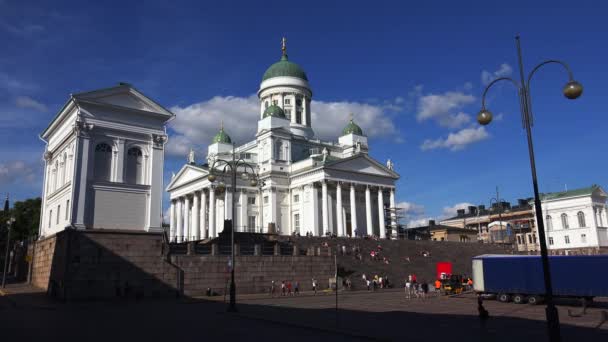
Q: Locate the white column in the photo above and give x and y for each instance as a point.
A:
(203, 214)
(196, 229)
(316, 230)
(260, 228)
(119, 156)
(340, 228)
(353, 211)
(212, 232)
(303, 222)
(242, 221)
(381, 213)
(393, 214)
(368, 211)
(179, 232)
(187, 231)
(226, 201)
(172, 223)
(324, 207)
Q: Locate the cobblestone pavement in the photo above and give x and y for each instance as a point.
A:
(27, 315)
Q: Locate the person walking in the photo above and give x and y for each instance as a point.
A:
(424, 287)
(368, 283)
(314, 285)
(272, 288)
(296, 289)
(289, 293)
(408, 287)
(438, 286)
(283, 288)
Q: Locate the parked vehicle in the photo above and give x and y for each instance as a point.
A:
(519, 278)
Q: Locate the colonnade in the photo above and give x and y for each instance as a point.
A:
(369, 222)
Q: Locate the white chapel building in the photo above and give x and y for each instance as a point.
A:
(104, 161)
(306, 186)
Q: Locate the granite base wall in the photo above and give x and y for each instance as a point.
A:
(253, 274)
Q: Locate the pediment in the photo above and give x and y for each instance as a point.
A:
(124, 96)
(363, 164)
(187, 174)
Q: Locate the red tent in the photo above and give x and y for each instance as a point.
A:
(444, 267)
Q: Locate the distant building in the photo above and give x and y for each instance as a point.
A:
(501, 223)
(576, 221)
(439, 232)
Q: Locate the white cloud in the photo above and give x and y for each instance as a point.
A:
(17, 171)
(22, 30)
(441, 108)
(196, 124)
(503, 71)
(458, 140)
(29, 103)
(451, 211)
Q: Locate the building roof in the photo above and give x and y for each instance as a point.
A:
(284, 68)
(571, 193)
(221, 137)
(352, 128)
(275, 111)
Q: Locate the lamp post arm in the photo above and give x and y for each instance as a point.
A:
(483, 97)
(551, 61)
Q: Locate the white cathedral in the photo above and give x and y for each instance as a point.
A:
(104, 160)
(305, 185)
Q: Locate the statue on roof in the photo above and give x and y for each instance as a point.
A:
(325, 153)
(191, 159)
(390, 165)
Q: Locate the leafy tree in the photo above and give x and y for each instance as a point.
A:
(27, 219)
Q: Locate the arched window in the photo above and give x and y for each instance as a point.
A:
(279, 151)
(55, 174)
(549, 222)
(134, 166)
(581, 219)
(565, 224)
(103, 162)
(64, 160)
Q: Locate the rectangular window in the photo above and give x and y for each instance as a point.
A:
(251, 223)
(67, 210)
(567, 239)
(251, 200)
(550, 241)
(296, 222)
(58, 213)
(287, 101)
(50, 218)
(518, 240)
(534, 236)
(583, 238)
(265, 199)
(529, 238)
(296, 198)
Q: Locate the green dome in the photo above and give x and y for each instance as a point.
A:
(275, 111)
(284, 68)
(221, 137)
(353, 128)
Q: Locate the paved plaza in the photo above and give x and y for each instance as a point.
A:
(382, 315)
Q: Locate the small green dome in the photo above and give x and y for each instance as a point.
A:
(275, 111)
(221, 137)
(284, 68)
(353, 128)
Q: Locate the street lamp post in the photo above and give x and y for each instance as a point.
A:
(499, 202)
(231, 166)
(571, 90)
(9, 224)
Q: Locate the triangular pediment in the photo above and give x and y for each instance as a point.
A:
(187, 174)
(363, 164)
(125, 96)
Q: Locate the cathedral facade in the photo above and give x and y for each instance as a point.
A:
(304, 185)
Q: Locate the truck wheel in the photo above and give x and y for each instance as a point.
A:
(504, 297)
(519, 299)
(533, 300)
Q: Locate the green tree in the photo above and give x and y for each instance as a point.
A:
(27, 219)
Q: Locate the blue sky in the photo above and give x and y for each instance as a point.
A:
(412, 73)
